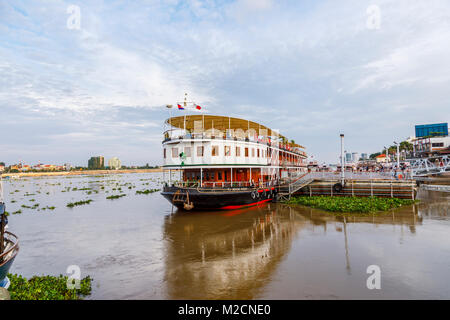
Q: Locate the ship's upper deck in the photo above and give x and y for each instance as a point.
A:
(223, 127)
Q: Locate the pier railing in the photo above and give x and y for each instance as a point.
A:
(389, 175)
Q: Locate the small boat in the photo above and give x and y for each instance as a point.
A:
(9, 244)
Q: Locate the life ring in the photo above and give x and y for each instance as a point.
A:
(253, 194)
(337, 187)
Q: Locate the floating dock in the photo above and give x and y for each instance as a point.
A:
(317, 184)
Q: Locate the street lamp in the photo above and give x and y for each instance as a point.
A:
(398, 154)
(342, 160)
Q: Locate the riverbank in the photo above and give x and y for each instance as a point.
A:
(78, 172)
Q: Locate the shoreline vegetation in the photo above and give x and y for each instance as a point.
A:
(78, 172)
(47, 288)
(351, 204)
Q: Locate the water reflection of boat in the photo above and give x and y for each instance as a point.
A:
(236, 254)
(217, 256)
(9, 245)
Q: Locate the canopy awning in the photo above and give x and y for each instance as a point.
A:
(222, 123)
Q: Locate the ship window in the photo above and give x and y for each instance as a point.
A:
(257, 152)
(164, 153)
(246, 152)
(227, 151)
(253, 152)
(212, 176)
(219, 175)
(238, 151)
(214, 151)
(174, 152)
(187, 151)
(200, 151)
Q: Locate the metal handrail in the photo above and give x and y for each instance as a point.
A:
(225, 184)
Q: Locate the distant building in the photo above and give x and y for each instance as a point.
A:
(364, 156)
(348, 157)
(428, 130)
(114, 163)
(351, 157)
(96, 163)
(381, 158)
(431, 145)
(2, 168)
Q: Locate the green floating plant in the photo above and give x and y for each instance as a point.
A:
(147, 191)
(47, 288)
(351, 204)
(78, 203)
(116, 196)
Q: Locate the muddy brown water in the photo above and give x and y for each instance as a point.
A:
(135, 247)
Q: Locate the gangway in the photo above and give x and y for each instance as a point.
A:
(422, 167)
(286, 191)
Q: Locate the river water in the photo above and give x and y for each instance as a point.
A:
(135, 247)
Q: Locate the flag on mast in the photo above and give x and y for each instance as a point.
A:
(180, 107)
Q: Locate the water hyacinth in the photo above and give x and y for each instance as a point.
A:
(147, 191)
(351, 204)
(116, 196)
(78, 203)
(47, 288)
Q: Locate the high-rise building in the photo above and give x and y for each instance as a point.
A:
(348, 157)
(96, 163)
(114, 163)
(364, 156)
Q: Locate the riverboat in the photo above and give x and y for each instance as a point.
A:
(222, 162)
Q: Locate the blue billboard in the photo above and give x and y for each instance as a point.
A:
(437, 129)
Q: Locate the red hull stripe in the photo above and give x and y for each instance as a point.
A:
(244, 205)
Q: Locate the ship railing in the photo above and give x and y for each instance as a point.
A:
(225, 184)
(200, 136)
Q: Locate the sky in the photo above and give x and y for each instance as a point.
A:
(86, 78)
